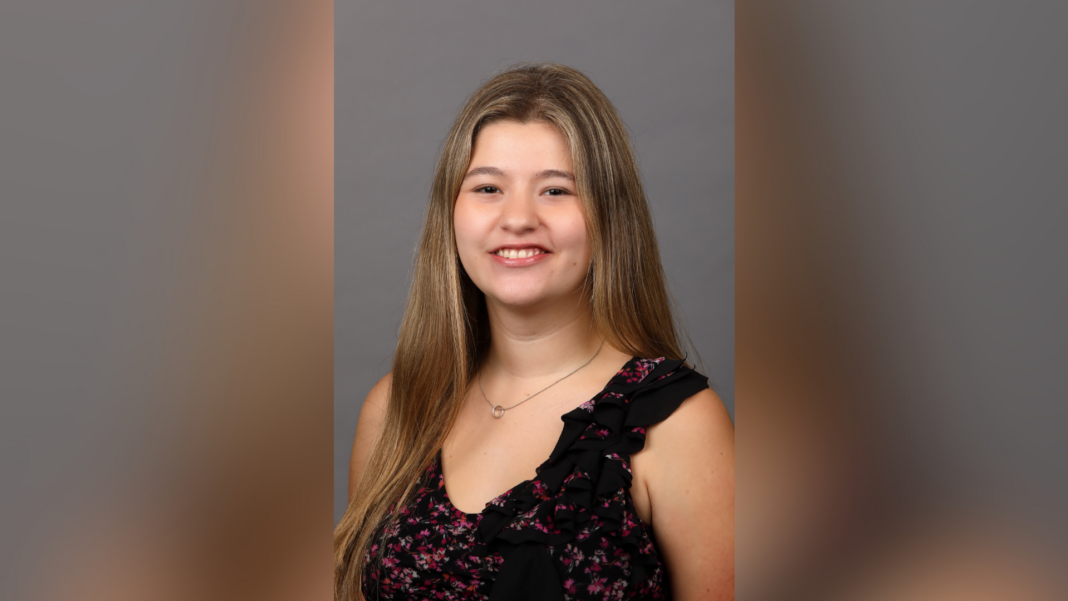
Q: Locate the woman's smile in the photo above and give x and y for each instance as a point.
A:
(521, 256)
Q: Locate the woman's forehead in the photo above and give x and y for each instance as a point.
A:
(514, 148)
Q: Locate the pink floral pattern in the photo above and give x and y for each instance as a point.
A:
(579, 507)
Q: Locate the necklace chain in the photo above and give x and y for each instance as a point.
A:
(498, 410)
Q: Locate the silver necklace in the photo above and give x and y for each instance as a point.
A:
(498, 410)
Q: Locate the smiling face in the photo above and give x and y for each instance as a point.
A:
(518, 219)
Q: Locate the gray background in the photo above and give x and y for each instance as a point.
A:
(938, 129)
(402, 73)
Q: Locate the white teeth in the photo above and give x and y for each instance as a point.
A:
(511, 253)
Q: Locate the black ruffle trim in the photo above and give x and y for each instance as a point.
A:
(587, 474)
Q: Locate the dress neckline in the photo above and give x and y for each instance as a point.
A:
(587, 406)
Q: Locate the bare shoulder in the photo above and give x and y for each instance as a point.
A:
(687, 469)
(378, 398)
(696, 437)
(372, 414)
(701, 419)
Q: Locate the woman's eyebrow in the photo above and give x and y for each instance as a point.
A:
(484, 171)
(553, 173)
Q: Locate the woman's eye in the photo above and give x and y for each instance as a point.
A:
(488, 189)
(555, 192)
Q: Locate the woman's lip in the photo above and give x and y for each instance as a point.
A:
(520, 247)
(524, 262)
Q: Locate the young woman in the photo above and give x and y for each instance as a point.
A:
(538, 298)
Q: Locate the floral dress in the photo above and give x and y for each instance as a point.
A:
(570, 533)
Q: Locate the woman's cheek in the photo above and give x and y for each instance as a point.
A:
(577, 244)
(465, 226)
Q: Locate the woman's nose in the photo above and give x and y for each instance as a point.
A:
(519, 213)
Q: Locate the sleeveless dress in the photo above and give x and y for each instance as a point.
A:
(571, 533)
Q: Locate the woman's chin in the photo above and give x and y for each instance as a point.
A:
(529, 299)
(521, 301)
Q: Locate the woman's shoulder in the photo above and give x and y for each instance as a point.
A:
(368, 427)
(378, 398)
(684, 480)
(701, 416)
(373, 411)
(697, 436)
(684, 417)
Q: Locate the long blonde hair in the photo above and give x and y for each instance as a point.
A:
(444, 334)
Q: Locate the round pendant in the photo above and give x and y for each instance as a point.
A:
(498, 411)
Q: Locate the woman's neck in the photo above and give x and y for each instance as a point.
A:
(543, 341)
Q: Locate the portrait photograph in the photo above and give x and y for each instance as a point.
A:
(534, 301)
(486, 281)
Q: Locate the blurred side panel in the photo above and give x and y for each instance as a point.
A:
(901, 293)
(166, 346)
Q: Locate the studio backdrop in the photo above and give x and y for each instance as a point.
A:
(403, 71)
